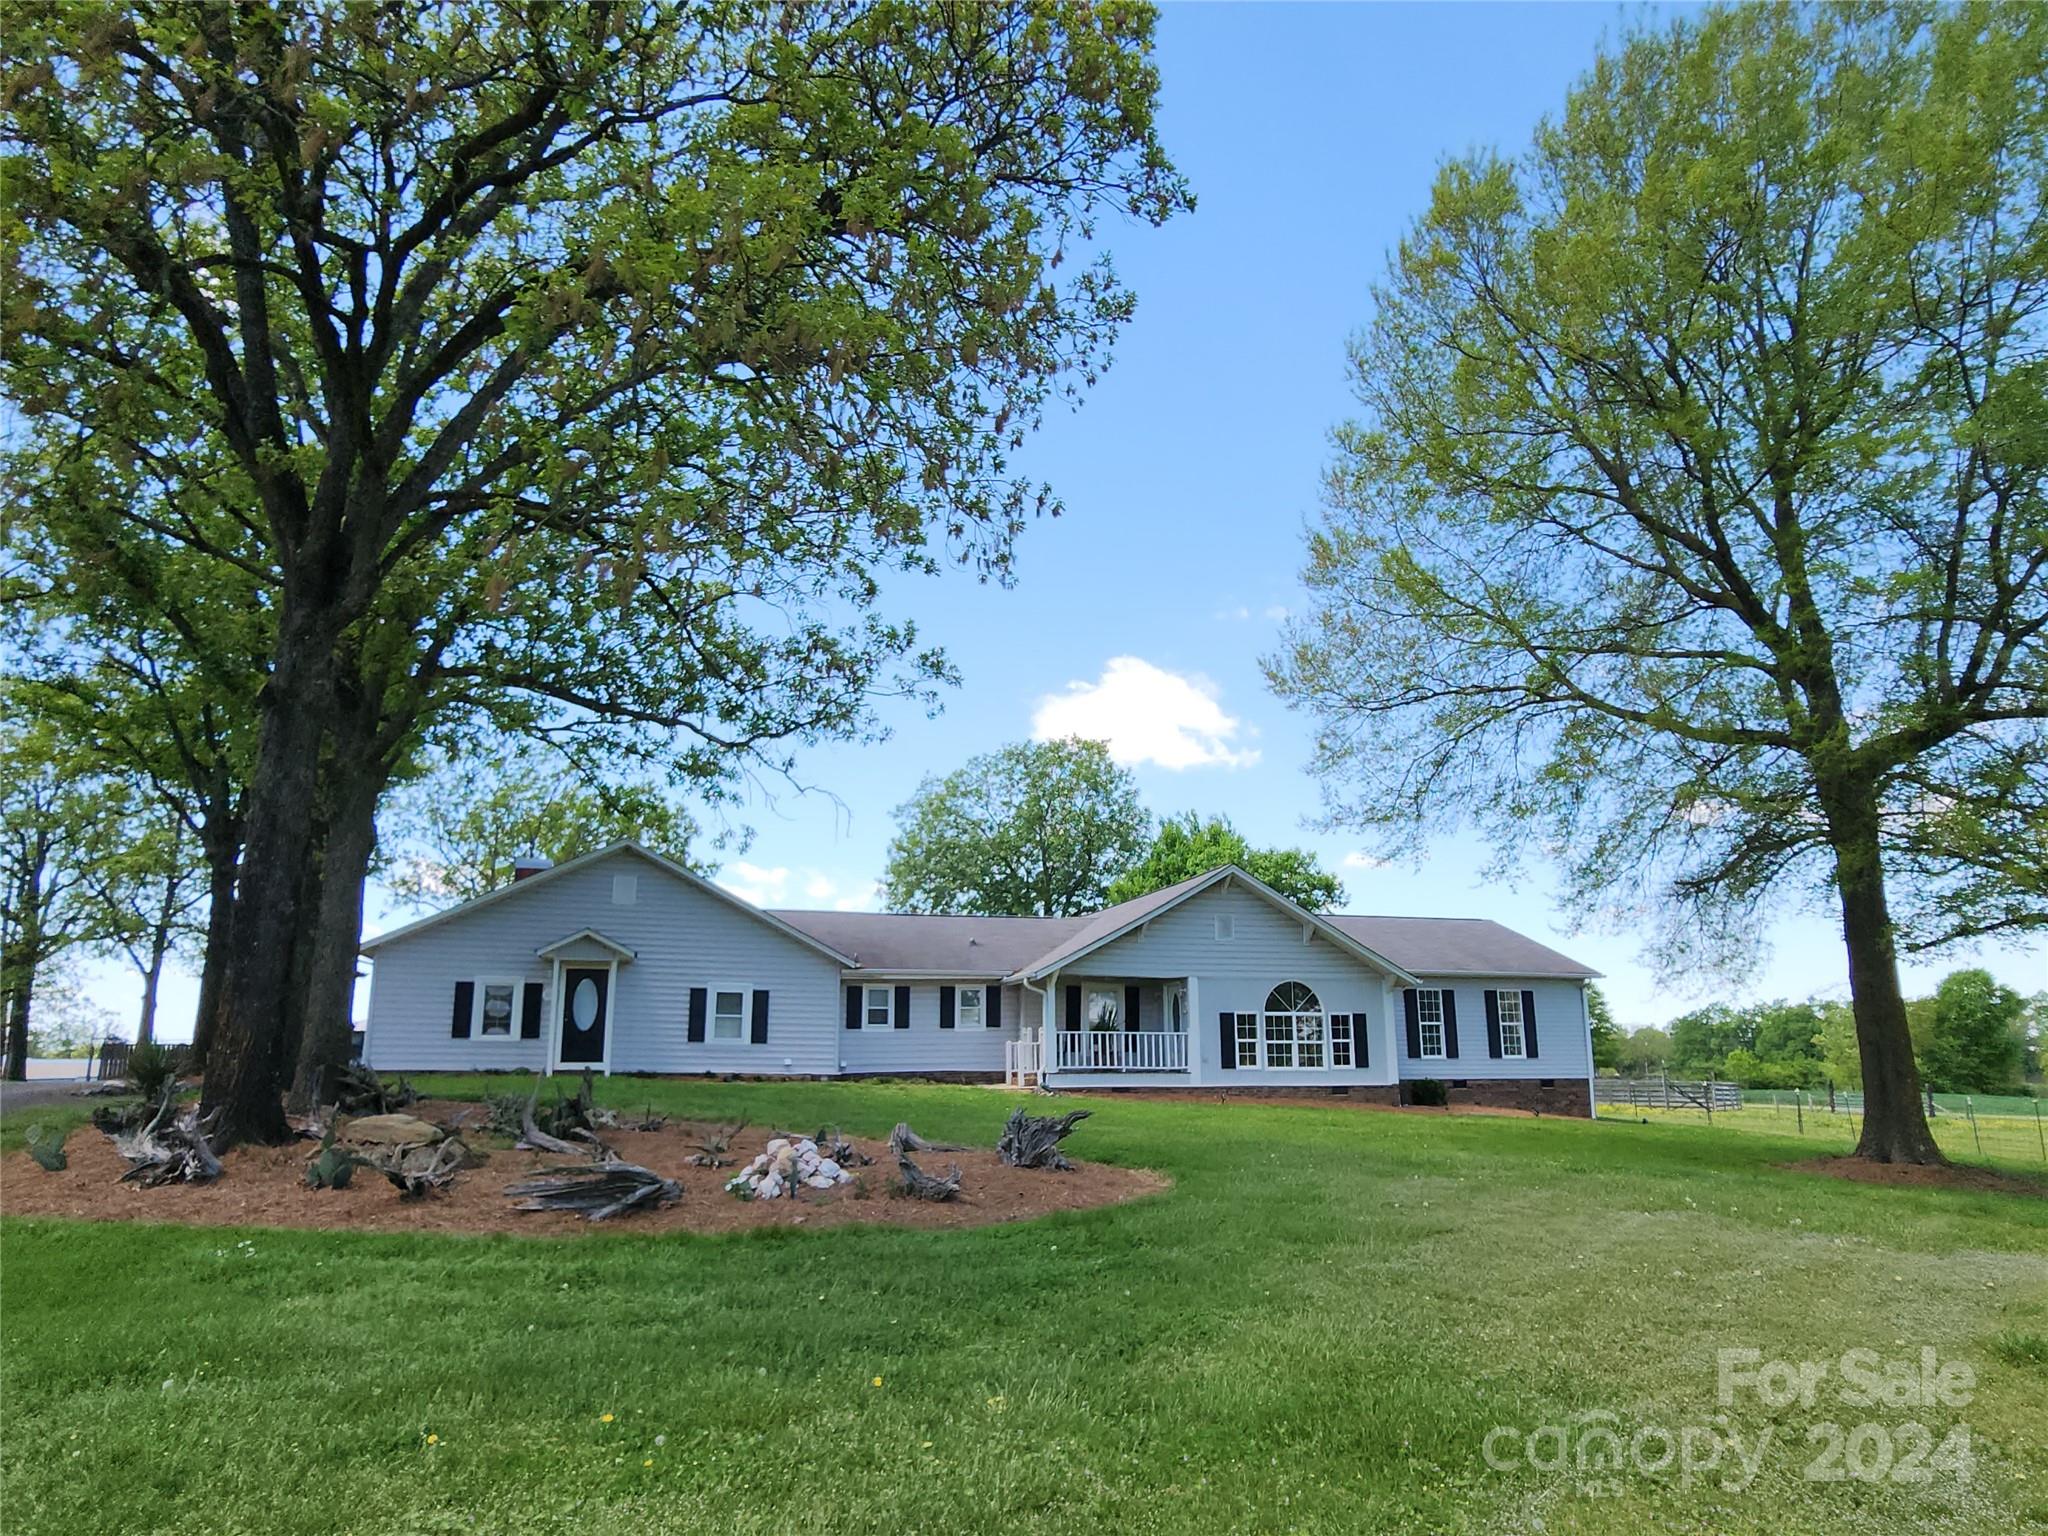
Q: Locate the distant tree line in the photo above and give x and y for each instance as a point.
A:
(1971, 1035)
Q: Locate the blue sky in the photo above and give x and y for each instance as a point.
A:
(1310, 134)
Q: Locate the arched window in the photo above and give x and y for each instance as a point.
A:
(1294, 1027)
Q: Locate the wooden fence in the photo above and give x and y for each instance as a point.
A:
(1665, 1093)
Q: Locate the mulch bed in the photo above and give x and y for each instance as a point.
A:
(1956, 1176)
(263, 1187)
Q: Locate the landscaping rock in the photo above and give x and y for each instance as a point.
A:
(389, 1131)
(784, 1168)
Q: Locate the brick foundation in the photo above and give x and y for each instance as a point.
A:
(1564, 1096)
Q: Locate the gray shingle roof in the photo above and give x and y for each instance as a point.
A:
(1000, 946)
(952, 946)
(1458, 946)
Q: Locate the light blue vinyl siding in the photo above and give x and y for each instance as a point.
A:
(1563, 1050)
(924, 1047)
(1267, 947)
(682, 936)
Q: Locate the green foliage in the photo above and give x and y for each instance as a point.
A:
(1607, 1041)
(1185, 846)
(1644, 1050)
(1695, 524)
(1037, 829)
(1975, 1044)
(1765, 1045)
(669, 329)
(1428, 1091)
(331, 1167)
(152, 1069)
(45, 1144)
(462, 828)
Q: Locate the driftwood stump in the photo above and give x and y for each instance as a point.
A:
(920, 1185)
(169, 1146)
(533, 1139)
(1033, 1141)
(903, 1139)
(599, 1190)
(418, 1170)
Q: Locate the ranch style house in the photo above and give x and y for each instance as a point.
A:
(622, 961)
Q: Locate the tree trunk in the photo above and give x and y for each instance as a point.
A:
(305, 939)
(223, 840)
(244, 1056)
(331, 975)
(20, 992)
(1894, 1124)
(152, 977)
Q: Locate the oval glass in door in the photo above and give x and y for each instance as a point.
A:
(583, 1004)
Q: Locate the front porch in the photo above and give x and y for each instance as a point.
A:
(1112, 1029)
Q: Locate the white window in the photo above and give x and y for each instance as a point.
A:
(728, 1017)
(1099, 1009)
(1340, 1039)
(1294, 1027)
(970, 1007)
(1247, 1039)
(1177, 1009)
(1429, 1012)
(625, 890)
(878, 1007)
(1509, 1008)
(494, 1008)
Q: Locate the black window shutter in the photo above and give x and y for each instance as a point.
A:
(1361, 1040)
(1130, 1009)
(529, 1011)
(697, 1001)
(761, 1017)
(1492, 1022)
(1528, 1023)
(1228, 1023)
(946, 996)
(1073, 1006)
(465, 1004)
(992, 1007)
(853, 1006)
(903, 1007)
(1414, 1023)
(1450, 1024)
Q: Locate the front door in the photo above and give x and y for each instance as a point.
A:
(586, 1002)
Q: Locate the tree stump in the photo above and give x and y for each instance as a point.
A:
(599, 1190)
(920, 1185)
(1033, 1141)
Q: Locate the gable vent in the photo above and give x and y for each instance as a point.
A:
(1226, 926)
(625, 890)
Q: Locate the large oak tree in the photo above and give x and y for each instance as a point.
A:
(653, 333)
(1694, 523)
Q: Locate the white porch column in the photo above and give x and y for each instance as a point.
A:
(1195, 1034)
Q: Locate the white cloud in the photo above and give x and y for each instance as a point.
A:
(1147, 715)
(779, 885)
(1279, 613)
(1233, 614)
(764, 887)
(1360, 860)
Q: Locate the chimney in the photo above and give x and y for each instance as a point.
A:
(530, 864)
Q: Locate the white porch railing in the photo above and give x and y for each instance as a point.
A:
(1117, 1050)
(1022, 1061)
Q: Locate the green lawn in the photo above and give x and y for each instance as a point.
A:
(1314, 1330)
(2010, 1143)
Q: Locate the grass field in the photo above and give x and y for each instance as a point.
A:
(2009, 1143)
(1315, 1330)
